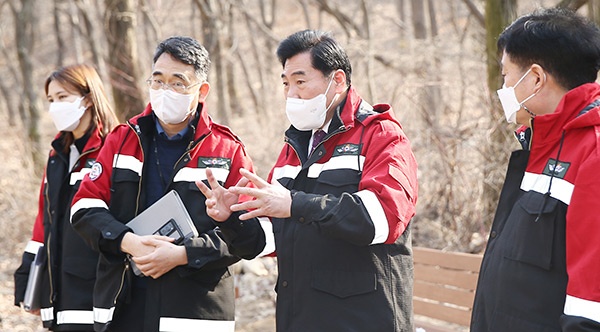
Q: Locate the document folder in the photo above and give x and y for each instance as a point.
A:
(31, 301)
(168, 217)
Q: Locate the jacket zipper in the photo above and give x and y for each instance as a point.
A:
(49, 257)
(138, 133)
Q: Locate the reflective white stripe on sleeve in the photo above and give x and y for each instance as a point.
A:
(375, 210)
(75, 317)
(561, 189)
(78, 176)
(339, 162)
(128, 162)
(87, 203)
(171, 324)
(47, 314)
(33, 246)
(267, 227)
(582, 308)
(286, 171)
(198, 174)
(102, 315)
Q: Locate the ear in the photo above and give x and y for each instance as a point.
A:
(339, 81)
(540, 75)
(203, 93)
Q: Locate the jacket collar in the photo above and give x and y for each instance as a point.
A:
(568, 114)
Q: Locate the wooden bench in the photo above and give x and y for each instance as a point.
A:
(444, 288)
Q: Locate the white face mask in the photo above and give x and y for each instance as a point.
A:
(509, 101)
(66, 115)
(308, 114)
(169, 106)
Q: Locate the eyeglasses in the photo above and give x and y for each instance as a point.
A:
(178, 87)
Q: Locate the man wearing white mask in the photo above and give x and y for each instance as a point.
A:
(169, 146)
(340, 202)
(541, 270)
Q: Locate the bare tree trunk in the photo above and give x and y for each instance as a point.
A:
(212, 22)
(572, 4)
(123, 59)
(418, 19)
(432, 19)
(25, 21)
(76, 31)
(498, 14)
(93, 39)
(60, 42)
(13, 106)
(594, 11)
(9, 101)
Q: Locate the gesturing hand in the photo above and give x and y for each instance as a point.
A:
(270, 199)
(218, 199)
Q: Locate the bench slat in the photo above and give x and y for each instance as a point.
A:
(440, 293)
(445, 313)
(433, 274)
(453, 260)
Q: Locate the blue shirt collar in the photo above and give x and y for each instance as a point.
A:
(175, 137)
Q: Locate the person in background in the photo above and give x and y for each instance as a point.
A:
(340, 197)
(169, 146)
(541, 271)
(83, 117)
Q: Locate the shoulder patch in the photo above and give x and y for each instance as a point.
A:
(96, 171)
(214, 162)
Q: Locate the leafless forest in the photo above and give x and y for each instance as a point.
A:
(434, 61)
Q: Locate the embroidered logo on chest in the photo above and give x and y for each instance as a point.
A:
(214, 162)
(557, 170)
(347, 149)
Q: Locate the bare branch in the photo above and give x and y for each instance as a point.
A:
(571, 4)
(475, 12)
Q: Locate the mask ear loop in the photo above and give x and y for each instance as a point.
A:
(327, 90)
(522, 104)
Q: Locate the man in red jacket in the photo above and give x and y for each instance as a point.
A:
(541, 268)
(340, 199)
(169, 146)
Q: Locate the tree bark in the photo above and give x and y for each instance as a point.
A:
(60, 42)
(498, 14)
(123, 60)
(25, 21)
(572, 4)
(418, 19)
(432, 19)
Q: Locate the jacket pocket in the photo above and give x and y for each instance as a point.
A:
(82, 268)
(337, 182)
(344, 284)
(532, 229)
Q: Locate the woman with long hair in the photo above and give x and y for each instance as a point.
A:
(83, 117)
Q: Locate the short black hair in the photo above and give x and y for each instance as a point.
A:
(562, 42)
(187, 50)
(326, 54)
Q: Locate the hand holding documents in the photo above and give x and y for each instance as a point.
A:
(31, 302)
(167, 217)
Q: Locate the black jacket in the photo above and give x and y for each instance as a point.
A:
(70, 269)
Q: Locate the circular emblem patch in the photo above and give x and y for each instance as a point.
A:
(96, 171)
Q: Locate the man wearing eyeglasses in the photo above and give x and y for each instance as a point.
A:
(167, 147)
